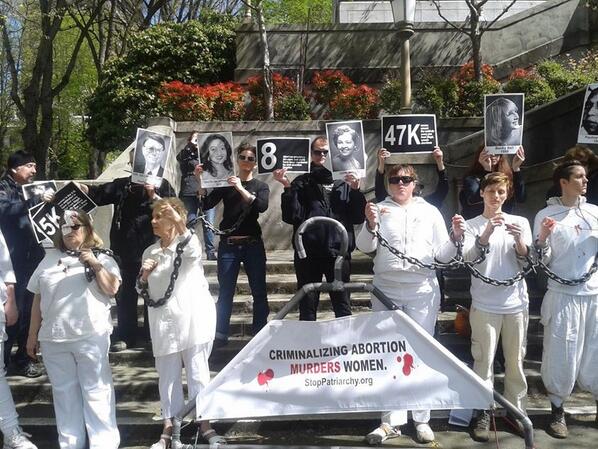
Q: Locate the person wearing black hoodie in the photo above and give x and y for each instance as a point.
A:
(315, 194)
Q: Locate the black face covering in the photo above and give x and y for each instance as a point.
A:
(321, 174)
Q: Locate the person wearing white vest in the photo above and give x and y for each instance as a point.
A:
(14, 437)
(70, 320)
(183, 322)
(498, 310)
(566, 233)
(416, 228)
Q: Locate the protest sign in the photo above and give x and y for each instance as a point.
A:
(503, 123)
(151, 154)
(283, 152)
(588, 125)
(413, 133)
(38, 188)
(216, 158)
(371, 362)
(347, 148)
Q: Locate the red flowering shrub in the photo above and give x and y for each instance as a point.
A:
(465, 73)
(327, 84)
(283, 90)
(358, 102)
(523, 74)
(219, 101)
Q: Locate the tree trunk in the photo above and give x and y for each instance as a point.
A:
(268, 83)
(476, 44)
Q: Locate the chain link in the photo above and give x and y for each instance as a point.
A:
(458, 262)
(178, 260)
(209, 226)
(89, 273)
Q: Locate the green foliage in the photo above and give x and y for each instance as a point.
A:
(537, 91)
(562, 79)
(437, 95)
(293, 107)
(390, 96)
(297, 11)
(471, 100)
(200, 51)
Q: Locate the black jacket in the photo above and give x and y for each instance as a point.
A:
(131, 230)
(308, 197)
(188, 159)
(16, 227)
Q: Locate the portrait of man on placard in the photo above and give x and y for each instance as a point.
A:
(151, 154)
(346, 147)
(588, 127)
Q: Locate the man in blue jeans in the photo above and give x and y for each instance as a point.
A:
(243, 202)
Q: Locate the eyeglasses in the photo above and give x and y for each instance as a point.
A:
(401, 179)
(246, 158)
(320, 152)
(66, 229)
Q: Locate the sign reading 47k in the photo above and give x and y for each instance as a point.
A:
(409, 133)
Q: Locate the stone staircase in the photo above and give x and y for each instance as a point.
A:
(135, 377)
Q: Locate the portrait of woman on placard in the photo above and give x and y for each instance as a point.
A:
(216, 159)
(503, 125)
(348, 149)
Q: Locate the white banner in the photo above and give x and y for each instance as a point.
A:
(372, 362)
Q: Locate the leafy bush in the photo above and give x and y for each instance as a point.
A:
(358, 102)
(466, 74)
(200, 51)
(285, 95)
(537, 91)
(390, 96)
(437, 95)
(471, 98)
(562, 79)
(328, 84)
(293, 107)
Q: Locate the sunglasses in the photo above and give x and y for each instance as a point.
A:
(401, 179)
(66, 229)
(320, 152)
(246, 158)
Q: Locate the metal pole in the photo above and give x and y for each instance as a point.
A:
(405, 32)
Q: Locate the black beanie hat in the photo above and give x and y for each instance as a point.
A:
(18, 158)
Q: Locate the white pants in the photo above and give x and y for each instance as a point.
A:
(424, 311)
(486, 328)
(83, 392)
(9, 419)
(170, 383)
(570, 344)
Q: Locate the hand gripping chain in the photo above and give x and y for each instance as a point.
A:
(178, 260)
(89, 273)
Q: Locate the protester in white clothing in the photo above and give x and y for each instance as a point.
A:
(416, 228)
(70, 319)
(567, 234)
(182, 324)
(14, 437)
(498, 310)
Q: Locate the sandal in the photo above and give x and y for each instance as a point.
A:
(212, 437)
(162, 443)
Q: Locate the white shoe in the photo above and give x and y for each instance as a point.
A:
(382, 433)
(423, 433)
(162, 443)
(18, 439)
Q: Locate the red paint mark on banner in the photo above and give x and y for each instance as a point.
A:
(264, 377)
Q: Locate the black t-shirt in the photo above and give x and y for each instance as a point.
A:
(234, 206)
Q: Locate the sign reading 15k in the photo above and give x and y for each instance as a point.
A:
(409, 133)
(283, 152)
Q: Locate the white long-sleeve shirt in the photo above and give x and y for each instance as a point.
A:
(572, 244)
(7, 275)
(417, 230)
(189, 317)
(501, 263)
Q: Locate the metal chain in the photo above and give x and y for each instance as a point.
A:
(458, 262)
(89, 273)
(178, 260)
(209, 226)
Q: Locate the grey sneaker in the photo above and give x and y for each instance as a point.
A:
(480, 430)
(18, 439)
(423, 433)
(557, 426)
(382, 433)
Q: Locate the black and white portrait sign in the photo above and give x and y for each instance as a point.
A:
(503, 122)
(70, 197)
(588, 125)
(216, 157)
(38, 188)
(283, 152)
(151, 154)
(347, 149)
(415, 133)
